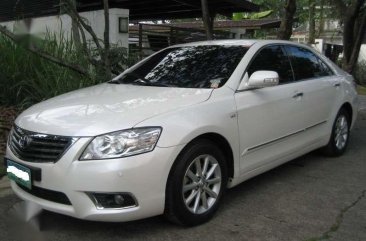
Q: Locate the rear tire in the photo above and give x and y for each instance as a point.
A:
(196, 184)
(338, 142)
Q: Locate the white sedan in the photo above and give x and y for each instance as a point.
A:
(170, 134)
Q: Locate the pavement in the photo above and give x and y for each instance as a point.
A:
(312, 198)
(362, 101)
(4, 187)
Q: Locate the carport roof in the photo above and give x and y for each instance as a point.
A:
(228, 24)
(218, 25)
(139, 9)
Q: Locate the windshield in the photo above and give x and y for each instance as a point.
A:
(187, 67)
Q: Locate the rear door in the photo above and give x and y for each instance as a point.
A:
(318, 85)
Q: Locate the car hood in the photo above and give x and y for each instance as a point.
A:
(105, 108)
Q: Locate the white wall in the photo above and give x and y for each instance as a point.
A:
(319, 45)
(56, 24)
(238, 32)
(362, 56)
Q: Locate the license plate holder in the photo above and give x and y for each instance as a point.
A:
(19, 173)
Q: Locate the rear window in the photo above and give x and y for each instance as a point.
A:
(188, 67)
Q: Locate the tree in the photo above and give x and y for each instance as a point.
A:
(311, 22)
(98, 55)
(284, 9)
(75, 33)
(274, 5)
(285, 30)
(102, 62)
(354, 27)
(37, 51)
(321, 18)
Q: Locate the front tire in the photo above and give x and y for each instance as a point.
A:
(338, 142)
(196, 184)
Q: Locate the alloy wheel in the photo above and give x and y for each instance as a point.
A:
(341, 132)
(201, 184)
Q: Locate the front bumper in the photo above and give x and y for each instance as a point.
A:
(144, 176)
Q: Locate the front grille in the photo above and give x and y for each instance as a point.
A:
(53, 196)
(35, 147)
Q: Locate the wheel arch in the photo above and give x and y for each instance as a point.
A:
(221, 142)
(170, 211)
(348, 107)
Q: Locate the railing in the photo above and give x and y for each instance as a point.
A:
(145, 39)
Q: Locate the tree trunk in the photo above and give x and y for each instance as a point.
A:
(107, 47)
(311, 22)
(285, 31)
(75, 29)
(321, 19)
(207, 20)
(353, 33)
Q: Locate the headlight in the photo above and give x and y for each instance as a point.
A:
(122, 143)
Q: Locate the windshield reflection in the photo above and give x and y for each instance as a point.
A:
(208, 66)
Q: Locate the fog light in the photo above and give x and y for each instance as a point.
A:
(113, 200)
(118, 199)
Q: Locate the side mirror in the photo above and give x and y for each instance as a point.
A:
(260, 79)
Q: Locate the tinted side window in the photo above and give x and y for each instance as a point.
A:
(327, 71)
(273, 58)
(306, 65)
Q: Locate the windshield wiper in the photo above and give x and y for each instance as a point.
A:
(137, 76)
(140, 81)
(161, 84)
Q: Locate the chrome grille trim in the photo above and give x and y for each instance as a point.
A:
(36, 147)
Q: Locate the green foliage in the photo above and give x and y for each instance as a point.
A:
(240, 16)
(260, 34)
(302, 13)
(361, 90)
(26, 79)
(121, 58)
(276, 6)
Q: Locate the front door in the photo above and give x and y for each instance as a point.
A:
(269, 119)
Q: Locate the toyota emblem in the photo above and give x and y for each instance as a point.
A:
(24, 141)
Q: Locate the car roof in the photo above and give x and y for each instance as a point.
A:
(241, 42)
(238, 42)
(221, 42)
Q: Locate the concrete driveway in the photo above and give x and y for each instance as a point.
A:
(311, 198)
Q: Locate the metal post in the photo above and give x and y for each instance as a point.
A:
(207, 21)
(141, 55)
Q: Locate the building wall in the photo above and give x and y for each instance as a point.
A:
(362, 56)
(62, 23)
(238, 33)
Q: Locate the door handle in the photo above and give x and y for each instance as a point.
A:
(298, 95)
(337, 85)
